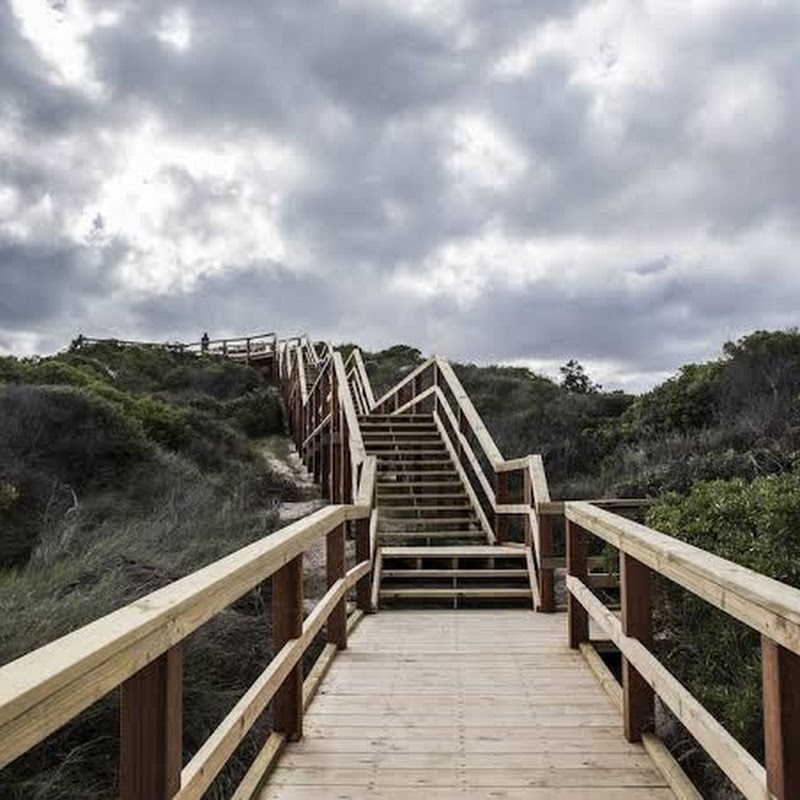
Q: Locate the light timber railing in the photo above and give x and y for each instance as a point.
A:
(324, 422)
(138, 649)
(769, 607)
(258, 347)
(500, 490)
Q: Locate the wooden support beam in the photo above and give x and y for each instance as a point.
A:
(547, 589)
(637, 621)
(287, 624)
(335, 561)
(503, 495)
(577, 616)
(151, 729)
(527, 501)
(363, 553)
(781, 687)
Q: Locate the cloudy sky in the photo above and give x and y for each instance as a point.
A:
(523, 181)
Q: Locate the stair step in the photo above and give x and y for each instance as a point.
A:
(397, 427)
(383, 418)
(402, 448)
(387, 462)
(412, 484)
(458, 508)
(454, 573)
(412, 525)
(385, 496)
(454, 551)
(393, 433)
(420, 593)
(476, 534)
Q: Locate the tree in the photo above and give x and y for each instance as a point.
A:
(574, 379)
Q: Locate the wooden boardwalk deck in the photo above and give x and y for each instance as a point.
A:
(465, 704)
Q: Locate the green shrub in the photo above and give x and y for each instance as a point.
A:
(257, 413)
(164, 424)
(757, 525)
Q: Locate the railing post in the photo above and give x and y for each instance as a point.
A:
(781, 688)
(151, 729)
(577, 566)
(364, 585)
(547, 590)
(287, 624)
(335, 565)
(502, 497)
(637, 621)
(527, 499)
(336, 446)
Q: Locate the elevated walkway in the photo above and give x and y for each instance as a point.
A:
(438, 704)
(462, 704)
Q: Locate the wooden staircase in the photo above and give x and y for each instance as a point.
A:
(432, 548)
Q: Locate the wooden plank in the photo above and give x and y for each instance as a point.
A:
(680, 784)
(335, 569)
(201, 770)
(666, 764)
(487, 528)
(363, 553)
(637, 610)
(376, 579)
(318, 672)
(781, 687)
(468, 737)
(742, 769)
(151, 729)
(383, 399)
(766, 605)
(577, 553)
(462, 446)
(267, 757)
(547, 591)
(454, 551)
(473, 418)
(287, 624)
(365, 381)
(503, 495)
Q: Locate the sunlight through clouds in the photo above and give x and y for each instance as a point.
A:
(58, 30)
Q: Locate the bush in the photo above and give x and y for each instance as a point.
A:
(75, 436)
(757, 525)
(257, 413)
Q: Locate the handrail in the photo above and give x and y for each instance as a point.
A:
(769, 607)
(464, 419)
(365, 381)
(403, 383)
(44, 689)
(473, 418)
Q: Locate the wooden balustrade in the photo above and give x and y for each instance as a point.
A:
(768, 606)
(138, 648)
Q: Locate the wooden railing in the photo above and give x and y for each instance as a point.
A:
(324, 422)
(770, 608)
(246, 348)
(139, 650)
(486, 475)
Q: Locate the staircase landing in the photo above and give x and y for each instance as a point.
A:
(466, 704)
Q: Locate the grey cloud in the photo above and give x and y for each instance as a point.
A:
(367, 97)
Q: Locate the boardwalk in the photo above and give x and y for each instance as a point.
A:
(466, 704)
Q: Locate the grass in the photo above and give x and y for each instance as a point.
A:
(120, 472)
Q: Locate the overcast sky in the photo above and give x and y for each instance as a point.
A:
(524, 181)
